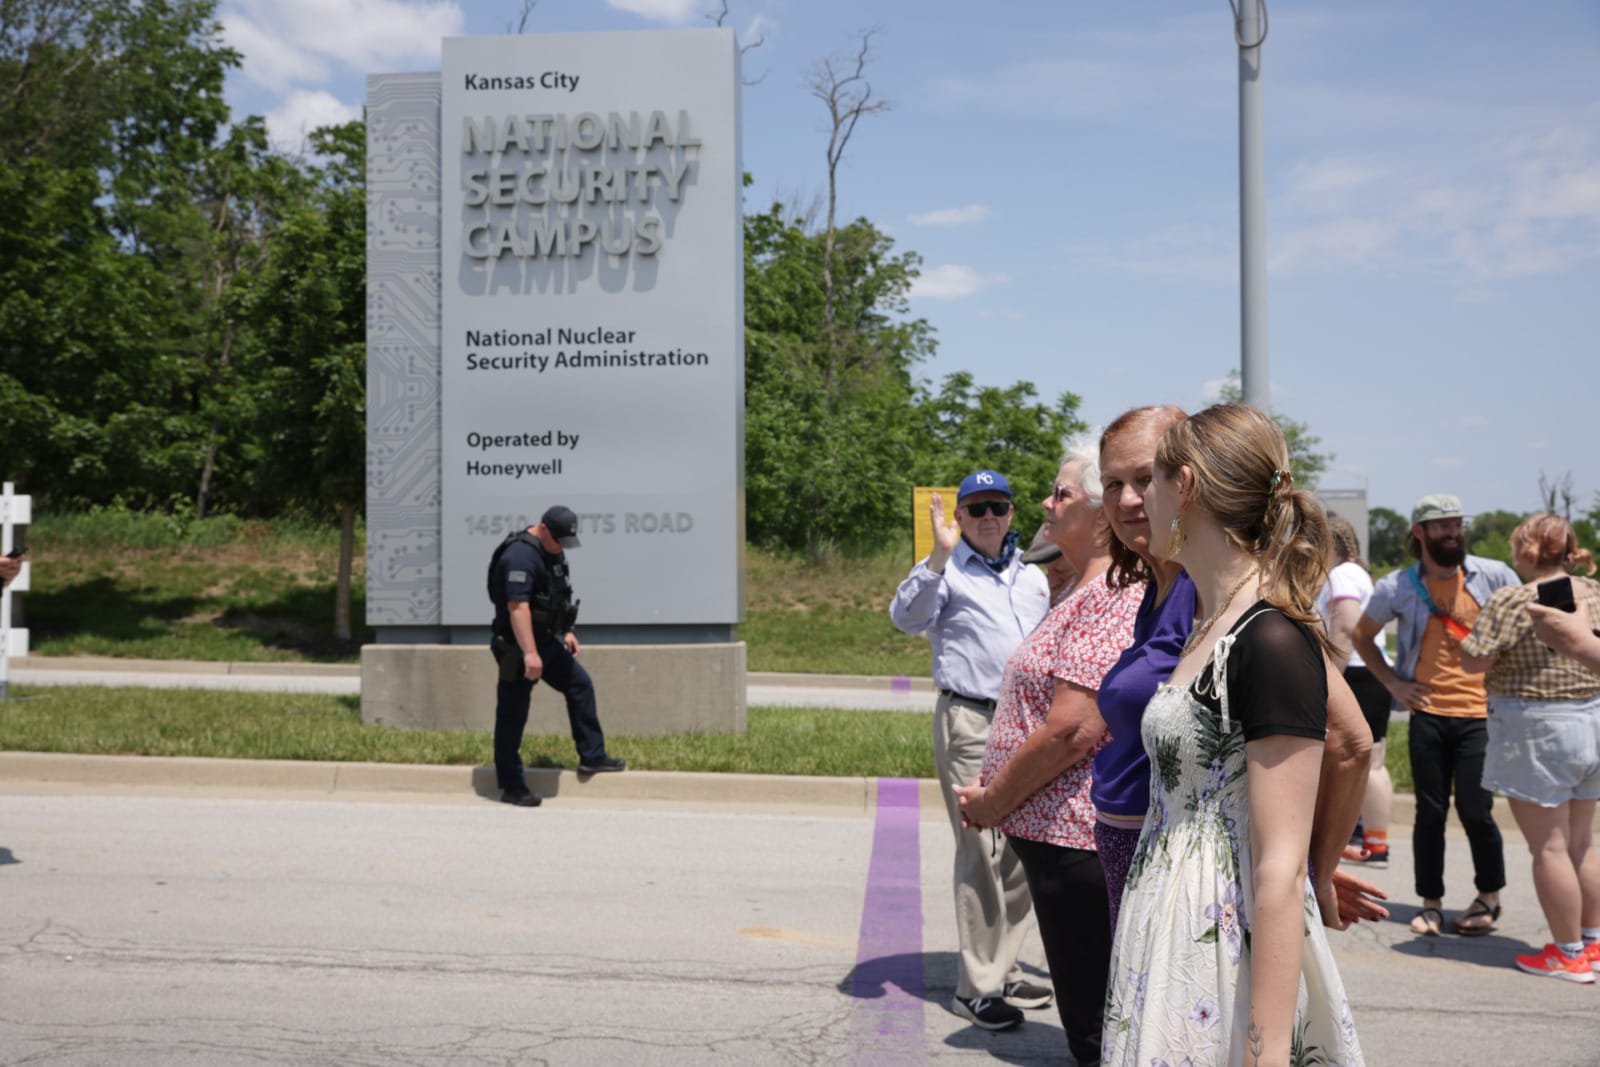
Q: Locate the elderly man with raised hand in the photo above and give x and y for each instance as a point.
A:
(1435, 602)
(976, 600)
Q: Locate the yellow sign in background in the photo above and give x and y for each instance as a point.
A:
(921, 528)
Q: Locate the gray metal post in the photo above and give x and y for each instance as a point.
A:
(1249, 32)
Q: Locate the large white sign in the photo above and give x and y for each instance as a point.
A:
(592, 349)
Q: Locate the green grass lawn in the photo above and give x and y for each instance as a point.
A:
(120, 583)
(830, 617)
(1397, 758)
(186, 722)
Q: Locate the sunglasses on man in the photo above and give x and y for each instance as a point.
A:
(998, 508)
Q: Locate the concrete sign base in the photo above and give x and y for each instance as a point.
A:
(642, 689)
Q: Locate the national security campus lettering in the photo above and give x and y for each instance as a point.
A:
(540, 163)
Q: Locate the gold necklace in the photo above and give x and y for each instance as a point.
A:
(1198, 635)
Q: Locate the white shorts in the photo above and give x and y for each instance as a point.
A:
(1543, 752)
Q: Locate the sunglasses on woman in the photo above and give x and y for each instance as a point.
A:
(998, 508)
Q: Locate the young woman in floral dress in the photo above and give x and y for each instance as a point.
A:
(1220, 955)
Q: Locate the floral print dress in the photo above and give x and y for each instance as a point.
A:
(1180, 966)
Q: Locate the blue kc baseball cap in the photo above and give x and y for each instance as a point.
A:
(983, 482)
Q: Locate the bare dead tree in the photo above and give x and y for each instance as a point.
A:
(1556, 494)
(521, 25)
(745, 48)
(843, 87)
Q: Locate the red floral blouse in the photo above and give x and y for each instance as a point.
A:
(1078, 642)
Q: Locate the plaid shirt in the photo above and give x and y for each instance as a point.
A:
(1524, 667)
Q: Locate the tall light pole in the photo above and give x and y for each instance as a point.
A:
(1249, 31)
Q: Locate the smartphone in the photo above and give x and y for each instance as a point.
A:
(1557, 593)
(17, 552)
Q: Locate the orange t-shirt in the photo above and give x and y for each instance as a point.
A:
(1455, 692)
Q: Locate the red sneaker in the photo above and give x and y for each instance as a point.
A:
(1591, 952)
(1552, 963)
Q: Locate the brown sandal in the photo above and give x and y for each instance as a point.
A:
(1429, 922)
(1476, 910)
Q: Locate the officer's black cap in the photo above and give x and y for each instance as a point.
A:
(562, 522)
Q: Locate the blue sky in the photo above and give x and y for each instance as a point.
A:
(1068, 173)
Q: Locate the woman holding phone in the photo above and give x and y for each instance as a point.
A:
(1544, 740)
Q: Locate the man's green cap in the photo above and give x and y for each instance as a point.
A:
(1437, 506)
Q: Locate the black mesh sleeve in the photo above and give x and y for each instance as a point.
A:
(1277, 681)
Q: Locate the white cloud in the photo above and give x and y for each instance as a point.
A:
(1205, 253)
(271, 61)
(952, 216)
(1351, 242)
(1333, 177)
(291, 122)
(1510, 207)
(951, 281)
(289, 42)
(1161, 71)
(673, 11)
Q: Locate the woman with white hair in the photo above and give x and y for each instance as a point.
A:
(1035, 781)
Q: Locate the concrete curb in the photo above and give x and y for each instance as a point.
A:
(115, 665)
(889, 683)
(294, 778)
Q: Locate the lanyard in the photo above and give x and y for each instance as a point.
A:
(1453, 625)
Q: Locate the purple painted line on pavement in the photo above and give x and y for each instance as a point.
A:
(887, 982)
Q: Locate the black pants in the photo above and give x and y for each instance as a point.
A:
(565, 675)
(1445, 748)
(1069, 898)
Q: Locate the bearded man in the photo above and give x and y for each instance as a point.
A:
(1435, 602)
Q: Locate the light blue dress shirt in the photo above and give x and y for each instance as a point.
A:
(1395, 596)
(974, 617)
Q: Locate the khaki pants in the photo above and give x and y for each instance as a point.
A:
(993, 909)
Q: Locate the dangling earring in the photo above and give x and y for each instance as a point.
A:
(1176, 538)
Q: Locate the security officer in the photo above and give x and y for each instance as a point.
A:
(532, 640)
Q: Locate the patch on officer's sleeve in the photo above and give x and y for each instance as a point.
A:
(517, 576)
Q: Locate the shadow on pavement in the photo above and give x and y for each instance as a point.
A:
(1485, 950)
(6, 856)
(931, 976)
(926, 975)
(1001, 1046)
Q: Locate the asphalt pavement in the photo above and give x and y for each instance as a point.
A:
(163, 911)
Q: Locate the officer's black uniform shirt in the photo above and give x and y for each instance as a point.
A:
(522, 570)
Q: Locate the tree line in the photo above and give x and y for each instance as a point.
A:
(183, 308)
